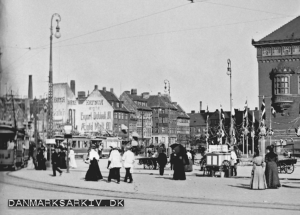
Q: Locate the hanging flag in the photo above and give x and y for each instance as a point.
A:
(232, 113)
(207, 112)
(263, 110)
(273, 111)
(246, 110)
(222, 114)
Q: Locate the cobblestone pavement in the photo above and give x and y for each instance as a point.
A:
(148, 185)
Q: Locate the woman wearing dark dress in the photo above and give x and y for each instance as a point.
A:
(41, 160)
(62, 158)
(271, 172)
(180, 159)
(93, 173)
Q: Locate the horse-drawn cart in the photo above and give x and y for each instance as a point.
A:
(150, 163)
(286, 165)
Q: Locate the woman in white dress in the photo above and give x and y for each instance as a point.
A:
(72, 161)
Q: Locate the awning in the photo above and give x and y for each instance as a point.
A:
(134, 134)
(124, 127)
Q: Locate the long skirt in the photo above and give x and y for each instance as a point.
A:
(258, 180)
(179, 173)
(272, 177)
(72, 162)
(93, 173)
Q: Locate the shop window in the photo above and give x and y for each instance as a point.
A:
(282, 85)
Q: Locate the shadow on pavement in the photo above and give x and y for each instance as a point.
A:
(244, 186)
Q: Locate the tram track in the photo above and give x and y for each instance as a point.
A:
(26, 183)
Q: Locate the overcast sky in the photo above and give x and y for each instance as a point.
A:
(126, 44)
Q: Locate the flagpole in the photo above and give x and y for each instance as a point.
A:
(220, 126)
(247, 130)
(253, 121)
(243, 136)
(270, 124)
(207, 132)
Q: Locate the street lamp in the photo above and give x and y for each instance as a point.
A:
(68, 135)
(50, 97)
(230, 73)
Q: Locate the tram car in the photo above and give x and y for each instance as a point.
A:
(14, 149)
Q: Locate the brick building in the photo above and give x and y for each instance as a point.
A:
(278, 56)
(141, 115)
(121, 114)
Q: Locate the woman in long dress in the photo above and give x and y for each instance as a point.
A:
(258, 180)
(271, 172)
(72, 161)
(114, 164)
(180, 159)
(93, 173)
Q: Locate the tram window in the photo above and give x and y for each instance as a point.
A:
(74, 144)
(78, 144)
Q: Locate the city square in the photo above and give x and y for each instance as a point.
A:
(172, 106)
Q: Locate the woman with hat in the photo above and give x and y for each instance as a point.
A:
(72, 161)
(128, 159)
(271, 172)
(114, 163)
(93, 173)
(258, 180)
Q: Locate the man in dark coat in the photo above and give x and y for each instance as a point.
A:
(162, 161)
(55, 162)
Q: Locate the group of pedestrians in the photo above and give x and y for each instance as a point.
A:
(59, 159)
(115, 163)
(265, 171)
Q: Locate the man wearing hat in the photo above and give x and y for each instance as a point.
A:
(55, 161)
(128, 159)
(114, 163)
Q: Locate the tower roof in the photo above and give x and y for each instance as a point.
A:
(288, 33)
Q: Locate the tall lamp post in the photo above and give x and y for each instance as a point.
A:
(229, 73)
(50, 97)
(68, 135)
(167, 89)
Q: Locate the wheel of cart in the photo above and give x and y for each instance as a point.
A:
(150, 164)
(281, 167)
(225, 167)
(289, 169)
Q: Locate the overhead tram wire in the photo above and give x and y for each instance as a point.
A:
(116, 25)
(244, 8)
(27, 59)
(174, 31)
(15, 61)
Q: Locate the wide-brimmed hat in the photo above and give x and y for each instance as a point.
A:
(113, 145)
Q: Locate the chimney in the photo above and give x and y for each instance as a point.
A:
(30, 96)
(104, 89)
(72, 84)
(192, 111)
(256, 108)
(200, 106)
(112, 90)
(133, 91)
(145, 95)
(81, 94)
(159, 94)
(96, 87)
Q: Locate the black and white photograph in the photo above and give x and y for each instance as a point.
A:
(150, 107)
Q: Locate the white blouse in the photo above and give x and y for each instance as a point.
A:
(93, 154)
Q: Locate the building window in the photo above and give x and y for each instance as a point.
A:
(108, 126)
(116, 115)
(282, 85)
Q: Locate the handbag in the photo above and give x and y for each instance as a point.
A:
(237, 160)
